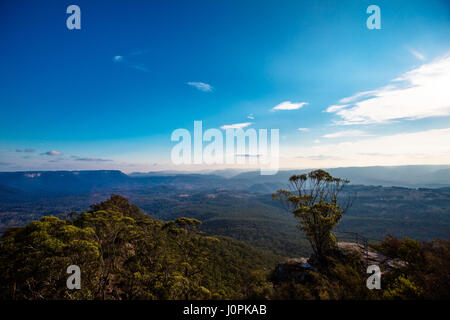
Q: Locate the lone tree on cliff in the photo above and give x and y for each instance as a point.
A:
(313, 199)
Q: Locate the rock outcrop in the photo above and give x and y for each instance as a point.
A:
(371, 257)
(293, 270)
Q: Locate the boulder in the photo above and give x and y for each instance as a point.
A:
(293, 270)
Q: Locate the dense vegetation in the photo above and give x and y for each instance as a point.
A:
(412, 270)
(423, 273)
(248, 217)
(313, 198)
(254, 217)
(124, 254)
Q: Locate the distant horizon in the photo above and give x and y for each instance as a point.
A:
(207, 171)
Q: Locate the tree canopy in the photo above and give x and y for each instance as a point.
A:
(313, 199)
(124, 254)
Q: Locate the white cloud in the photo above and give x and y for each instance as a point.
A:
(346, 133)
(236, 126)
(139, 67)
(248, 155)
(419, 93)
(52, 153)
(335, 108)
(76, 158)
(288, 105)
(251, 116)
(118, 58)
(422, 147)
(417, 54)
(28, 150)
(303, 129)
(317, 141)
(201, 86)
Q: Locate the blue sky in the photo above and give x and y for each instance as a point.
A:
(110, 95)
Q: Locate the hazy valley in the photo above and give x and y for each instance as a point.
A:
(410, 201)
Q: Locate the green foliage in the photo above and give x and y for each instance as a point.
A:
(253, 217)
(344, 278)
(34, 259)
(402, 288)
(124, 254)
(420, 269)
(313, 199)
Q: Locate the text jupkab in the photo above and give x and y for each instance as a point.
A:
(239, 146)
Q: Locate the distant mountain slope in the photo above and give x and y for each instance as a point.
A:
(402, 176)
(241, 206)
(102, 180)
(62, 181)
(97, 180)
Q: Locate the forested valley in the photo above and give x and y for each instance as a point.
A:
(124, 253)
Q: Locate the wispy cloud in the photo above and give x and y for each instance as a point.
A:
(236, 126)
(318, 157)
(420, 93)
(417, 54)
(248, 155)
(118, 58)
(346, 133)
(92, 159)
(200, 86)
(251, 116)
(25, 150)
(303, 129)
(131, 64)
(422, 147)
(52, 153)
(139, 67)
(288, 105)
